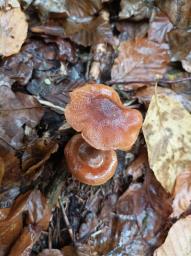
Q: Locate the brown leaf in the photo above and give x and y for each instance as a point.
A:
(13, 32)
(130, 224)
(144, 95)
(37, 213)
(36, 154)
(16, 110)
(96, 30)
(12, 171)
(136, 9)
(178, 11)
(9, 230)
(51, 252)
(180, 46)
(24, 243)
(178, 240)
(182, 193)
(140, 60)
(159, 27)
(2, 168)
(74, 8)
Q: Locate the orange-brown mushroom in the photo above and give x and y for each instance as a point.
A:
(97, 112)
(87, 164)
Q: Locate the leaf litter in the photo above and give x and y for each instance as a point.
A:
(131, 45)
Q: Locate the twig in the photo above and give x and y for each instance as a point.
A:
(70, 231)
(112, 82)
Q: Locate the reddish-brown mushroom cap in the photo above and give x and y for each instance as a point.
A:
(97, 112)
(87, 164)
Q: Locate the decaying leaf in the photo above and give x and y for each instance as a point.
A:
(2, 168)
(177, 11)
(167, 133)
(140, 60)
(13, 31)
(178, 241)
(136, 9)
(16, 110)
(51, 252)
(144, 95)
(15, 238)
(159, 27)
(182, 193)
(180, 47)
(128, 224)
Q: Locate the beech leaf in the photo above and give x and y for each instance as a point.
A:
(167, 133)
(178, 241)
(140, 59)
(13, 31)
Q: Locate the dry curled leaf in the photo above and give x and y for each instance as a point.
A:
(178, 241)
(13, 31)
(182, 193)
(140, 60)
(167, 133)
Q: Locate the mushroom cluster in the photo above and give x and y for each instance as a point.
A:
(105, 124)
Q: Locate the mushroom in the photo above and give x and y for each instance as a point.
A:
(97, 112)
(87, 164)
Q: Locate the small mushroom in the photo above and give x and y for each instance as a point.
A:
(87, 164)
(97, 112)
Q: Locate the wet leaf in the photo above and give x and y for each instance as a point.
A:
(17, 110)
(144, 95)
(167, 133)
(51, 252)
(37, 214)
(136, 9)
(128, 224)
(36, 154)
(140, 60)
(73, 8)
(13, 32)
(159, 27)
(180, 46)
(182, 193)
(177, 11)
(178, 240)
(96, 30)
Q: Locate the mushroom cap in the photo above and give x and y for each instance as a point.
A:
(87, 164)
(97, 112)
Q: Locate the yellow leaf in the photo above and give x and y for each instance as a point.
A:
(167, 131)
(178, 241)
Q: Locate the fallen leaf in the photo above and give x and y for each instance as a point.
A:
(140, 60)
(2, 169)
(177, 11)
(182, 193)
(16, 110)
(180, 47)
(9, 230)
(178, 241)
(37, 217)
(167, 133)
(136, 9)
(159, 27)
(51, 252)
(130, 224)
(144, 95)
(13, 31)
(36, 154)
